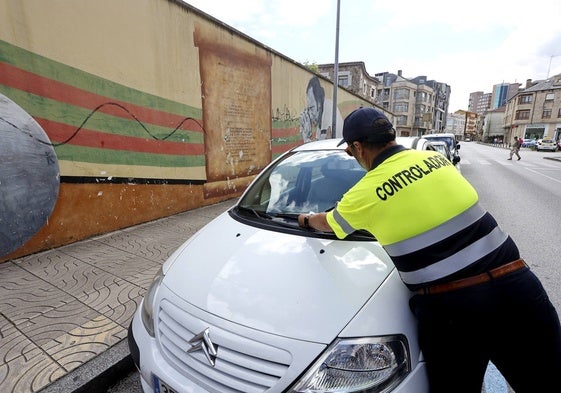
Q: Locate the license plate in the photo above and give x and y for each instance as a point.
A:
(161, 387)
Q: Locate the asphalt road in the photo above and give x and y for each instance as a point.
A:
(525, 198)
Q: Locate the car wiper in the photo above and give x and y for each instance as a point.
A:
(293, 216)
(257, 213)
(269, 216)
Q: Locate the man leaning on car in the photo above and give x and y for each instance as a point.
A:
(475, 299)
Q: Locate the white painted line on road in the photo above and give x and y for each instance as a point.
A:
(541, 174)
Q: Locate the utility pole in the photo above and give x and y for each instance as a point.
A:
(549, 66)
(335, 77)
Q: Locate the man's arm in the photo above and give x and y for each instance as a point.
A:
(316, 221)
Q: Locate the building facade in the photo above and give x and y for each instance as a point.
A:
(420, 106)
(535, 111)
(479, 102)
(353, 77)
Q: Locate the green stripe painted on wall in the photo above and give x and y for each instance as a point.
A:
(286, 140)
(119, 157)
(63, 73)
(46, 108)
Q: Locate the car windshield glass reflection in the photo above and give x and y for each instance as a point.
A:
(448, 140)
(303, 182)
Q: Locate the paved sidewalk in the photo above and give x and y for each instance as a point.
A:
(64, 313)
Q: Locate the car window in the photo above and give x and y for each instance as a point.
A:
(302, 182)
(449, 141)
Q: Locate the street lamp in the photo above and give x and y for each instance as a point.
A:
(549, 66)
(335, 77)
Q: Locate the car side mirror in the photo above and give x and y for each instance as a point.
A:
(458, 146)
(455, 160)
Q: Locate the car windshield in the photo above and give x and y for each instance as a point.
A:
(304, 181)
(440, 148)
(449, 141)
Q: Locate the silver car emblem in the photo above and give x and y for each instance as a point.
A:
(202, 342)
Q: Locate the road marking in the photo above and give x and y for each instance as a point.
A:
(541, 174)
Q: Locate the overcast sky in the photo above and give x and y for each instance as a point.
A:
(470, 46)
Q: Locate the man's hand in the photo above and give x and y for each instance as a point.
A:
(316, 221)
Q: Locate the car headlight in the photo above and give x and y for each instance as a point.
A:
(147, 310)
(373, 364)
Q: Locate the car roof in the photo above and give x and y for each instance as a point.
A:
(440, 135)
(410, 142)
(324, 144)
(414, 142)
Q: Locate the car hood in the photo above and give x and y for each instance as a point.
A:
(294, 286)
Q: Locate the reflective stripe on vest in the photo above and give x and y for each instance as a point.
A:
(458, 261)
(434, 235)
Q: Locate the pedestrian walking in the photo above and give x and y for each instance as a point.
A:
(475, 299)
(515, 148)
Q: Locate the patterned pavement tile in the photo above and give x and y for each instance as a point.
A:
(13, 343)
(144, 279)
(53, 324)
(154, 247)
(28, 374)
(113, 296)
(76, 346)
(28, 297)
(69, 274)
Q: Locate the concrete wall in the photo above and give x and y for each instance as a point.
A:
(151, 107)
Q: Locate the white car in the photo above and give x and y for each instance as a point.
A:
(253, 303)
(546, 144)
(453, 145)
(414, 142)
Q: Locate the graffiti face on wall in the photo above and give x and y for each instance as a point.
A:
(316, 119)
(29, 176)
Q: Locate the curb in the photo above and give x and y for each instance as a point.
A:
(98, 374)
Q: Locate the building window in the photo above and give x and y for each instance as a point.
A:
(401, 120)
(343, 80)
(549, 96)
(559, 113)
(401, 94)
(364, 88)
(546, 114)
(525, 99)
(400, 107)
(372, 92)
(522, 114)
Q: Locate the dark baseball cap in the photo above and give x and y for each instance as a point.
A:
(367, 125)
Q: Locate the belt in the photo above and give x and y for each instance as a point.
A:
(474, 280)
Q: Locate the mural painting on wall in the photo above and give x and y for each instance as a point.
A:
(236, 100)
(29, 176)
(317, 118)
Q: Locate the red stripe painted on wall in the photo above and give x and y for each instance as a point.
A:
(36, 84)
(277, 149)
(59, 132)
(285, 132)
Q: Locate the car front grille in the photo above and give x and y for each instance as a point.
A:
(241, 363)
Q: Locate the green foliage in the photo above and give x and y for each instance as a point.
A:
(312, 66)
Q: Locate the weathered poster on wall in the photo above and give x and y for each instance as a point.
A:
(236, 98)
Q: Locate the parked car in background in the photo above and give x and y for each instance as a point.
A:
(529, 142)
(442, 147)
(559, 144)
(451, 141)
(414, 142)
(254, 303)
(546, 144)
